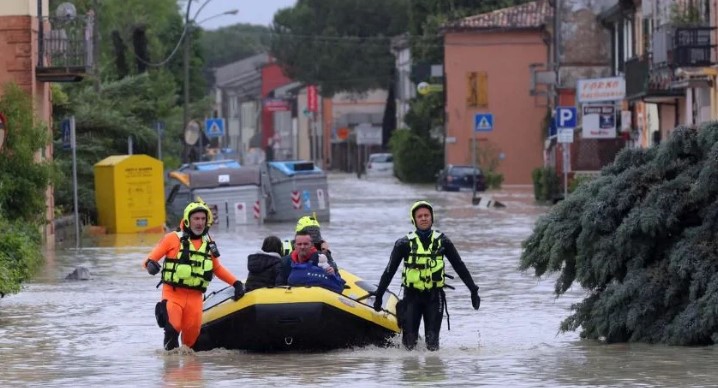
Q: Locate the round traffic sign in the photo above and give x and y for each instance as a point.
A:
(343, 133)
(423, 88)
(191, 133)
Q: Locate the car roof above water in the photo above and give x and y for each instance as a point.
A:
(462, 169)
(381, 157)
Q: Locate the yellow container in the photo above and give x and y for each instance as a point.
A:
(129, 192)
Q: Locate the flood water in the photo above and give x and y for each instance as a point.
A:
(102, 332)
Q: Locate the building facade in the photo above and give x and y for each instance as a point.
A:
(488, 62)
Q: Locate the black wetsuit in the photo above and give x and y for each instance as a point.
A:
(428, 304)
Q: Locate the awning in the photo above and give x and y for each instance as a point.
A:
(694, 77)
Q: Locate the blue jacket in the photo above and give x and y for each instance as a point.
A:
(309, 274)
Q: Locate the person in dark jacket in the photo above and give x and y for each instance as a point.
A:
(422, 252)
(265, 265)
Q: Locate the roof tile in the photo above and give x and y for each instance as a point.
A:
(533, 14)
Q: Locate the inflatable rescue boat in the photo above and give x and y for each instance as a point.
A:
(298, 318)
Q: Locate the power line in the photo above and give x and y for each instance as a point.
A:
(169, 57)
(177, 46)
(424, 41)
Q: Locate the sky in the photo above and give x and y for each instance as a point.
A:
(250, 11)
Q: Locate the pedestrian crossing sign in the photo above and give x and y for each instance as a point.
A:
(483, 122)
(214, 127)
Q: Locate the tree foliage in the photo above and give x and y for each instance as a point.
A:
(233, 43)
(411, 150)
(24, 179)
(131, 100)
(641, 239)
(106, 119)
(161, 23)
(340, 46)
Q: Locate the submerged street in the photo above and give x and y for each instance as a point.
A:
(103, 331)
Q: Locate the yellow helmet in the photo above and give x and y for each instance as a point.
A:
(305, 222)
(420, 204)
(311, 225)
(194, 207)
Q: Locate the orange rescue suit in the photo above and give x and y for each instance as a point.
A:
(184, 306)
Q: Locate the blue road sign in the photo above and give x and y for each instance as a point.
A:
(307, 200)
(66, 134)
(566, 117)
(483, 122)
(214, 127)
(552, 130)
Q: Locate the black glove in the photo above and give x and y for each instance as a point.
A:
(377, 303)
(238, 290)
(475, 299)
(153, 267)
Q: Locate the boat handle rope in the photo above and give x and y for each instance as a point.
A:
(288, 340)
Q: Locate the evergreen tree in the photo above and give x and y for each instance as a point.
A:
(641, 239)
(339, 46)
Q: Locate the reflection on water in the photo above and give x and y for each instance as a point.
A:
(182, 369)
(429, 369)
(102, 331)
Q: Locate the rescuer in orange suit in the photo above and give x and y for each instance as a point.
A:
(191, 259)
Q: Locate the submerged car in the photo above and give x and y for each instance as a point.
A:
(380, 165)
(460, 178)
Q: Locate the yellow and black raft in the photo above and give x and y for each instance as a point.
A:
(298, 318)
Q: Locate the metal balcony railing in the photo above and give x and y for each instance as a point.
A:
(682, 46)
(65, 48)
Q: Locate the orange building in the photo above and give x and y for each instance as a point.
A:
(488, 60)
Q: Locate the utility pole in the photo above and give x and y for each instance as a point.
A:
(566, 147)
(185, 62)
(185, 83)
(96, 44)
(556, 50)
(188, 22)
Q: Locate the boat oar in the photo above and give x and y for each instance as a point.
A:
(372, 293)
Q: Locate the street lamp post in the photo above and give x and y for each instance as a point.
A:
(187, 45)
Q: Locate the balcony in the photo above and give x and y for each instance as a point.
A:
(645, 81)
(682, 46)
(65, 49)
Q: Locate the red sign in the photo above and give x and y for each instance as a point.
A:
(343, 133)
(312, 103)
(276, 105)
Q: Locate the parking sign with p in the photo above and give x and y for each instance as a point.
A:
(566, 117)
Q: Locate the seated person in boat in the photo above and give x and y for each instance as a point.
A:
(311, 225)
(306, 266)
(265, 265)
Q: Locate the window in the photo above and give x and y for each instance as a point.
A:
(647, 34)
(628, 32)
